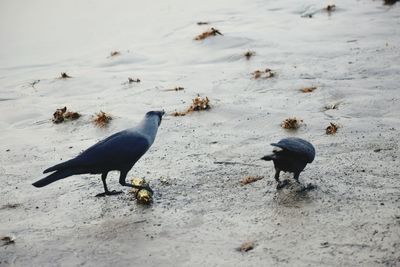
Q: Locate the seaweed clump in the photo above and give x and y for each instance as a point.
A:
(102, 119)
(291, 123)
(308, 89)
(61, 115)
(267, 73)
(198, 104)
(332, 128)
(250, 179)
(209, 33)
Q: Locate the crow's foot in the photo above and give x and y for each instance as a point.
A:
(282, 184)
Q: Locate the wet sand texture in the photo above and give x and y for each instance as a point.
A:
(201, 213)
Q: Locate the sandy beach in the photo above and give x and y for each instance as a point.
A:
(201, 212)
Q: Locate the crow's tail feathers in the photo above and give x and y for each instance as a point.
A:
(269, 157)
(63, 165)
(54, 177)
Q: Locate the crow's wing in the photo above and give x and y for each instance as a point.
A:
(118, 151)
(300, 147)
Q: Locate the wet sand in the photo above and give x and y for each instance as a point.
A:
(201, 212)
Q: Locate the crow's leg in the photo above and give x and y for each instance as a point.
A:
(122, 178)
(280, 184)
(122, 181)
(277, 172)
(106, 192)
(296, 177)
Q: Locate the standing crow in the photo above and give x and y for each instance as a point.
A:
(118, 152)
(291, 155)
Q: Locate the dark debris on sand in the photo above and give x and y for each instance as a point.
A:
(198, 104)
(115, 53)
(131, 80)
(62, 115)
(291, 123)
(330, 8)
(332, 106)
(250, 179)
(6, 240)
(246, 246)
(308, 89)
(267, 73)
(177, 88)
(64, 75)
(249, 54)
(332, 128)
(102, 119)
(209, 33)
